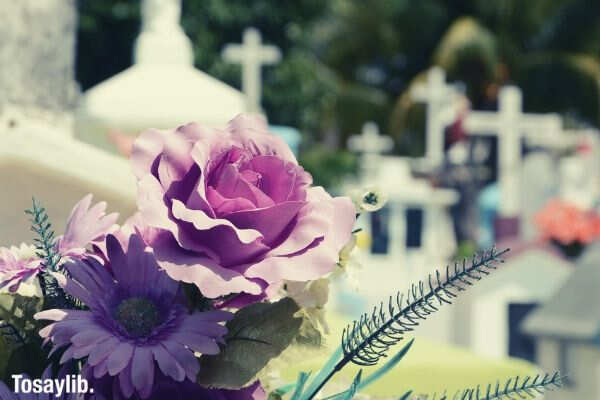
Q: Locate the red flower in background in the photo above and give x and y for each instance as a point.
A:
(567, 223)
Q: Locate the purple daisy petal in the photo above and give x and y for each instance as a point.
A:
(125, 382)
(168, 365)
(184, 357)
(119, 358)
(102, 351)
(142, 370)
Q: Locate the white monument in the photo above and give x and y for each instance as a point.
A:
(510, 125)
(370, 144)
(392, 175)
(38, 155)
(566, 330)
(483, 320)
(37, 54)
(444, 102)
(252, 55)
(40, 160)
(161, 90)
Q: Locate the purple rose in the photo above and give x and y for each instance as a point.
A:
(232, 211)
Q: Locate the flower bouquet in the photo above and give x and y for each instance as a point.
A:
(224, 266)
(567, 226)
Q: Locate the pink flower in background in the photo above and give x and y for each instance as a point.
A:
(85, 226)
(234, 210)
(19, 267)
(566, 223)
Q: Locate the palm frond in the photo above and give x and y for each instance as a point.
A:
(369, 338)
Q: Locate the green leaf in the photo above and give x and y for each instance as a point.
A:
(387, 366)
(18, 311)
(257, 334)
(309, 335)
(302, 379)
(283, 390)
(406, 395)
(275, 395)
(324, 372)
(351, 391)
(5, 350)
(28, 359)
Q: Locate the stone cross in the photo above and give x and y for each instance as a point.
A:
(440, 99)
(371, 144)
(252, 55)
(511, 125)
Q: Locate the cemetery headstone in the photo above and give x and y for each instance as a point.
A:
(371, 145)
(161, 90)
(38, 155)
(443, 104)
(37, 54)
(538, 186)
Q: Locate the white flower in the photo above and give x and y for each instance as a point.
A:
(311, 297)
(19, 267)
(369, 199)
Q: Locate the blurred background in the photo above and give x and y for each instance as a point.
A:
(478, 120)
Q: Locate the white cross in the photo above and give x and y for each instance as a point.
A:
(442, 109)
(251, 54)
(371, 144)
(510, 124)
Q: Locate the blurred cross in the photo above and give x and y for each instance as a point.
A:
(511, 125)
(252, 55)
(442, 110)
(371, 144)
(505, 124)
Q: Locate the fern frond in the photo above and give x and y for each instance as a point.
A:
(512, 388)
(369, 338)
(47, 249)
(45, 243)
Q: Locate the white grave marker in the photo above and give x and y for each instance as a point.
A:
(510, 125)
(371, 144)
(162, 89)
(442, 110)
(252, 55)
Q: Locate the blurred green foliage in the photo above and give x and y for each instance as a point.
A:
(327, 166)
(348, 61)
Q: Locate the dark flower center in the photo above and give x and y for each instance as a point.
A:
(137, 315)
(371, 198)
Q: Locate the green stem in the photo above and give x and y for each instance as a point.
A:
(341, 364)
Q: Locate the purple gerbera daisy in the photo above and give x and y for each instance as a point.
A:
(136, 319)
(19, 267)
